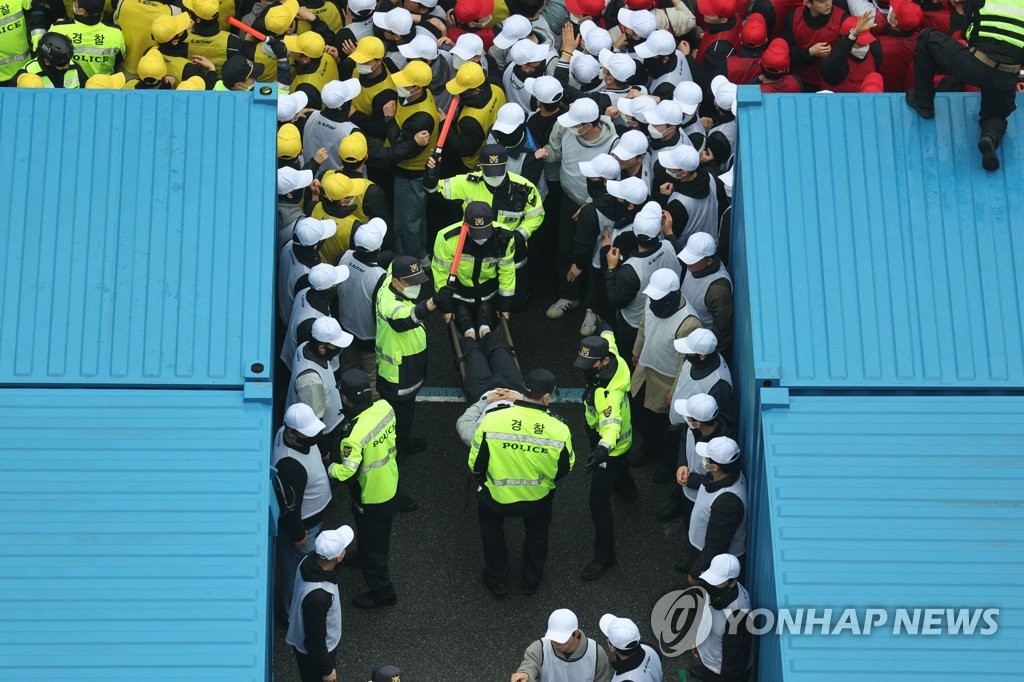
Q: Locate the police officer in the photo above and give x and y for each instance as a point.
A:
(303, 493)
(518, 454)
(19, 22)
(313, 381)
(486, 276)
(357, 294)
(53, 63)
(401, 346)
(368, 460)
(606, 408)
(99, 47)
(991, 60)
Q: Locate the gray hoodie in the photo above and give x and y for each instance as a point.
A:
(569, 150)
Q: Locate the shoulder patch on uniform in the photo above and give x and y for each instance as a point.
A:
(608, 411)
(347, 450)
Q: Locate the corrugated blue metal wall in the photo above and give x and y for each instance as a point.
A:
(136, 318)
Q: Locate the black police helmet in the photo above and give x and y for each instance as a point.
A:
(55, 48)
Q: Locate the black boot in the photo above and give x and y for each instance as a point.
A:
(987, 146)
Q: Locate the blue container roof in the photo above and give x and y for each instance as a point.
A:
(879, 252)
(135, 534)
(898, 502)
(136, 239)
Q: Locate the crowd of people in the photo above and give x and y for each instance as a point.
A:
(464, 160)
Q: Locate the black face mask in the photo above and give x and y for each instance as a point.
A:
(509, 139)
(321, 299)
(311, 67)
(590, 374)
(665, 307)
(331, 353)
(304, 442)
(596, 188)
(337, 211)
(617, 210)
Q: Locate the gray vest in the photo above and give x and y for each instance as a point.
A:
(702, 213)
(321, 131)
(687, 386)
(515, 88)
(701, 514)
(333, 412)
(301, 311)
(556, 669)
(355, 298)
(695, 290)
(645, 266)
(658, 353)
(711, 648)
(677, 75)
(296, 635)
(289, 272)
(730, 130)
(318, 487)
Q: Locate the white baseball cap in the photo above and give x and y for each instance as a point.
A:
(420, 47)
(429, 4)
(621, 632)
(699, 406)
(370, 235)
(721, 450)
(660, 43)
(636, 107)
(515, 27)
(291, 104)
(289, 179)
(561, 624)
(647, 226)
(526, 52)
(641, 21)
(583, 110)
(300, 417)
(632, 190)
(724, 92)
(397, 20)
(328, 330)
(601, 166)
(330, 544)
(595, 38)
(663, 282)
(546, 89)
(336, 93)
(510, 117)
(324, 276)
(723, 568)
(583, 67)
(699, 342)
(468, 46)
(360, 6)
(668, 112)
(684, 157)
(310, 231)
(689, 95)
(699, 246)
(620, 66)
(632, 144)
(728, 181)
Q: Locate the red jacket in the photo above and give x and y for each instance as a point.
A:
(742, 70)
(802, 36)
(897, 67)
(789, 84)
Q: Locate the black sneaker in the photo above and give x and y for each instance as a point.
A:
(594, 570)
(987, 147)
(414, 446)
(368, 600)
(670, 512)
(627, 490)
(662, 476)
(498, 589)
(406, 504)
(530, 588)
(643, 457)
(922, 111)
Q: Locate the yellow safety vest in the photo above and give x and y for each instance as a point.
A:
(135, 17)
(1002, 21)
(327, 72)
(269, 63)
(96, 47)
(15, 49)
(368, 453)
(485, 116)
(402, 114)
(327, 13)
(393, 347)
(607, 411)
(214, 48)
(71, 80)
(364, 100)
(336, 245)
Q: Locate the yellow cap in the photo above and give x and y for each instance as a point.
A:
(469, 76)
(279, 18)
(193, 83)
(167, 26)
(309, 43)
(335, 186)
(204, 9)
(353, 147)
(102, 81)
(415, 73)
(152, 65)
(289, 142)
(31, 80)
(368, 49)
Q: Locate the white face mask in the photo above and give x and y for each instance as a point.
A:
(860, 51)
(655, 133)
(576, 19)
(412, 292)
(403, 92)
(364, 68)
(494, 182)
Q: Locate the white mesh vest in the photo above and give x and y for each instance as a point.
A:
(687, 386)
(730, 129)
(321, 131)
(301, 311)
(677, 75)
(296, 635)
(515, 88)
(556, 669)
(648, 671)
(644, 266)
(702, 214)
(658, 353)
(695, 290)
(318, 487)
(702, 513)
(604, 224)
(711, 648)
(289, 271)
(693, 462)
(355, 298)
(332, 408)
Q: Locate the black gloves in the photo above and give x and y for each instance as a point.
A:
(444, 299)
(599, 456)
(278, 47)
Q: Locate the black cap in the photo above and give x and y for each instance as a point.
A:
(237, 69)
(538, 382)
(385, 672)
(493, 158)
(92, 6)
(592, 349)
(408, 268)
(354, 384)
(480, 218)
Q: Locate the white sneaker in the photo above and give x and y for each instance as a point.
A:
(559, 307)
(589, 325)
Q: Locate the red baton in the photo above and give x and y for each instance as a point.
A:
(248, 29)
(458, 252)
(449, 117)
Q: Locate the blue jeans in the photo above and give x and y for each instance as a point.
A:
(288, 558)
(410, 222)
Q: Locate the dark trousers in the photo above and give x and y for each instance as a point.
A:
(308, 671)
(543, 266)
(405, 415)
(603, 482)
(673, 441)
(566, 244)
(684, 503)
(373, 530)
(522, 297)
(651, 426)
(625, 336)
(489, 364)
(937, 51)
(536, 520)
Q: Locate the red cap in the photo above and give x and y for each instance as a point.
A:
(587, 8)
(872, 83)
(776, 56)
(473, 10)
(716, 8)
(850, 23)
(640, 4)
(755, 31)
(909, 15)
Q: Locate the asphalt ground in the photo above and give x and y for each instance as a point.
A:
(446, 625)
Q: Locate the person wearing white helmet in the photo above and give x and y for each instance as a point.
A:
(564, 653)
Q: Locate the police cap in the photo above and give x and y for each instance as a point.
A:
(538, 382)
(592, 349)
(480, 218)
(408, 269)
(493, 158)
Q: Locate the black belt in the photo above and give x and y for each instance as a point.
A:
(988, 61)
